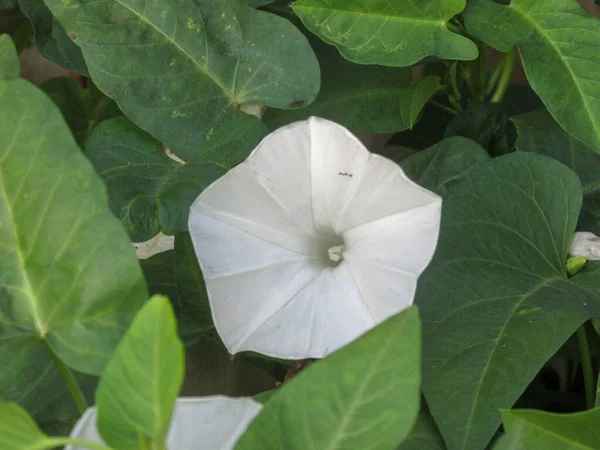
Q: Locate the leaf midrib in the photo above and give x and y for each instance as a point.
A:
(541, 32)
(28, 288)
(485, 370)
(203, 69)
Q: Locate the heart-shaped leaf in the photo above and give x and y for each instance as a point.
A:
(149, 191)
(496, 301)
(68, 274)
(365, 395)
(138, 388)
(534, 430)
(181, 70)
(18, 431)
(440, 166)
(370, 99)
(538, 132)
(559, 44)
(50, 37)
(398, 33)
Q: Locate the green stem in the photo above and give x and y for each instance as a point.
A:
(78, 443)
(466, 74)
(505, 76)
(493, 78)
(443, 107)
(70, 381)
(483, 72)
(586, 365)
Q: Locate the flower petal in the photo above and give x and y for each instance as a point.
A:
(217, 422)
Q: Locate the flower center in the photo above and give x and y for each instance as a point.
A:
(336, 254)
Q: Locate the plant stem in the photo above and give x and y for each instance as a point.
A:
(60, 441)
(586, 366)
(508, 64)
(70, 381)
(466, 74)
(443, 107)
(493, 79)
(483, 72)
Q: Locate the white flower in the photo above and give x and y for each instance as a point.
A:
(215, 422)
(586, 245)
(158, 244)
(311, 242)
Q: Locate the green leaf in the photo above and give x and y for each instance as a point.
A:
(559, 44)
(18, 431)
(538, 132)
(364, 396)
(9, 60)
(192, 309)
(257, 3)
(176, 274)
(515, 439)
(399, 33)
(424, 435)
(5, 5)
(370, 99)
(439, 167)
(50, 37)
(67, 94)
(138, 389)
(151, 192)
(485, 123)
(69, 275)
(548, 431)
(496, 301)
(180, 70)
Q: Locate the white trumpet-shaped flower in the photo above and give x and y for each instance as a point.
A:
(585, 245)
(311, 242)
(216, 422)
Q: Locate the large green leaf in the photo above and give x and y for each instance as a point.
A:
(370, 99)
(9, 63)
(398, 33)
(442, 165)
(151, 192)
(538, 132)
(180, 69)
(547, 431)
(138, 389)
(496, 301)
(50, 37)
(423, 436)
(559, 44)
(69, 278)
(364, 396)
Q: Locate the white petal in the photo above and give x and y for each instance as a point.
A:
(206, 423)
(585, 245)
(326, 315)
(404, 242)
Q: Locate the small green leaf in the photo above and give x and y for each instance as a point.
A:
(398, 33)
(9, 60)
(18, 431)
(364, 396)
(69, 274)
(181, 70)
(151, 192)
(50, 37)
(138, 389)
(559, 44)
(538, 132)
(439, 167)
(370, 99)
(575, 264)
(496, 301)
(549, 431)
